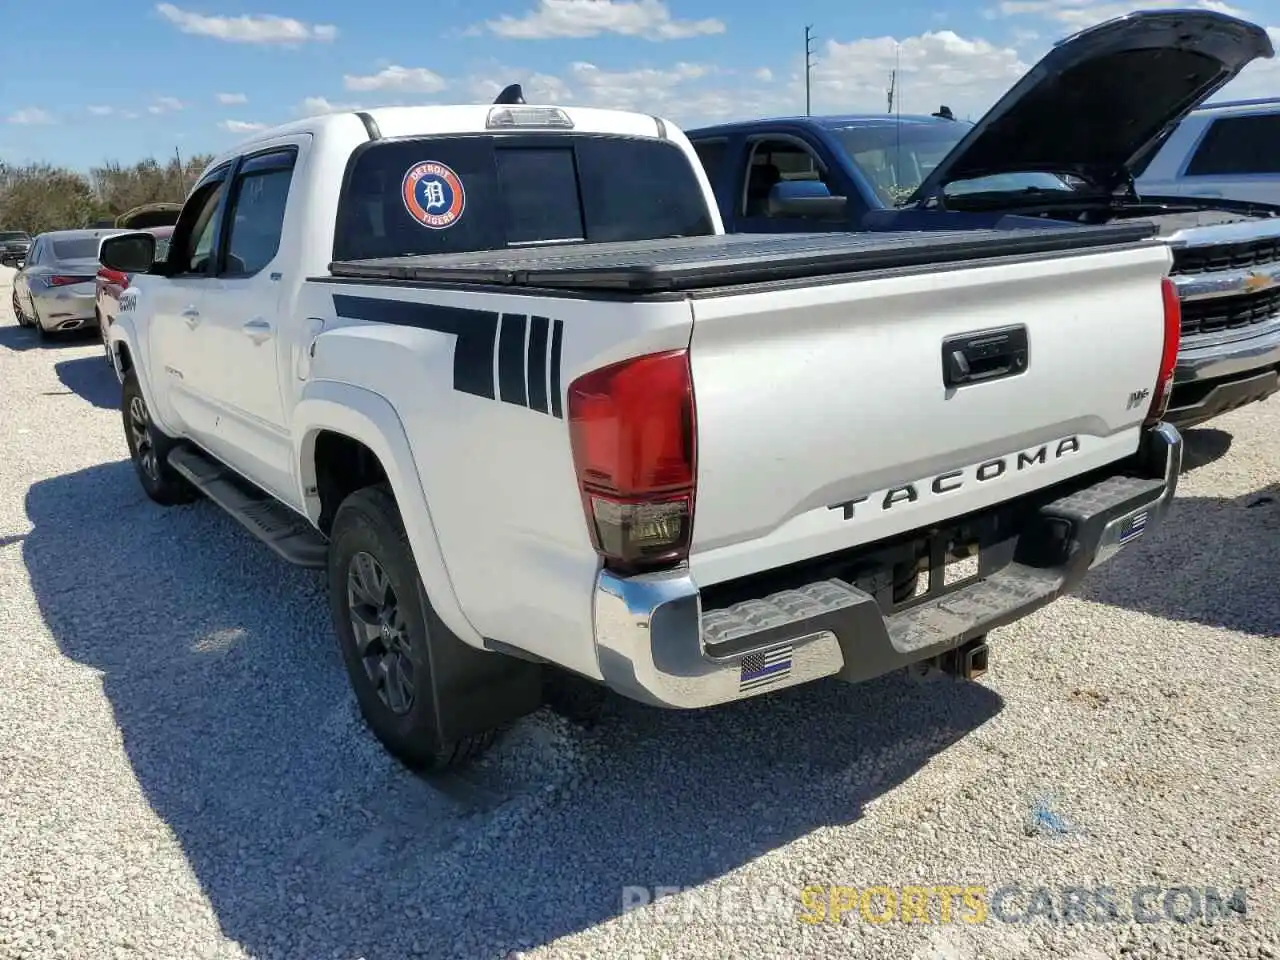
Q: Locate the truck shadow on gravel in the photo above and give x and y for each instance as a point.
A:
(1212, 561)
(92, 379)
(1203, 446)
(234, 711)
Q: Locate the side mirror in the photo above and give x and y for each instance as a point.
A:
(804, 198)
(128, 252)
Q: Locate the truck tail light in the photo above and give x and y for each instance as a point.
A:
(633, 432)
(1169, 356)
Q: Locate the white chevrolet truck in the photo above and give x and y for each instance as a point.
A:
(499, 371)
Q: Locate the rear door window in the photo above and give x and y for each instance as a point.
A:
(468, 193)
(712, 155)
(1238, 145)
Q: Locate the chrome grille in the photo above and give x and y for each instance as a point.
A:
(1225, 256)
(1218, 314)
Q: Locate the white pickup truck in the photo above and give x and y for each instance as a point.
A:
(498, 370)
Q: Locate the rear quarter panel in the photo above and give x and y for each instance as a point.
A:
(496, 472)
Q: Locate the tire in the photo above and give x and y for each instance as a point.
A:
(149, 449)
(370, 557)
(17, 312)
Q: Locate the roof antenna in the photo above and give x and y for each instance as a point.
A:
(511, 94)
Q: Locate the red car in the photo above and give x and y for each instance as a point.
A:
(154, 218)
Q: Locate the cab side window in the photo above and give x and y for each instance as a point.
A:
(258, 199)
(195, 235)
(773, 161)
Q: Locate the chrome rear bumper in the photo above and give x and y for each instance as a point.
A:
(656, 644)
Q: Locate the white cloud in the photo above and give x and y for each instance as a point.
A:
(249, 28)
(936, 67)
(648, 19)
(400, 79)
(32, 116)
(933, 68)
(100, 111)
(166, 105)
(537, 87)
(232, 98)
(314, 106)
(241, 126)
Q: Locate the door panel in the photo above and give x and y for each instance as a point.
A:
(178, 359)
(244, 344)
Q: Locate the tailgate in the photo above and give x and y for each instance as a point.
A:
(824, 420)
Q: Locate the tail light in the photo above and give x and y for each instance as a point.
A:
(58, 280)
(634, 437)
(114, 276)
(1169, 355)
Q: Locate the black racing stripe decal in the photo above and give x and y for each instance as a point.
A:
(537, 377)
(476, 332)
(556, 337)
(511, 362)
(481, 336)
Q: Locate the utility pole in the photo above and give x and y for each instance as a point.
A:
(808, 66)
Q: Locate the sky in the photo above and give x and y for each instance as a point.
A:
(135, 79)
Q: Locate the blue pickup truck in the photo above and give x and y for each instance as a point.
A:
(1065, 145)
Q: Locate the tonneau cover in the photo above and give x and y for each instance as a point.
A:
(709, 261)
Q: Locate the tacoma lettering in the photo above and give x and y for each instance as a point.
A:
(955, 479)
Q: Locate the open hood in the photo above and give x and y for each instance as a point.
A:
(149, 215)
(1099, 98)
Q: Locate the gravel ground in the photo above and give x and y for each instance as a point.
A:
(183, 773)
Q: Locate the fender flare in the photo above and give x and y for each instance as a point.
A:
(369, 418)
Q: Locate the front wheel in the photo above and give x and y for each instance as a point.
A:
(389, 634)
(149, 449)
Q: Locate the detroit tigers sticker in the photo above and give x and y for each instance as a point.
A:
(433, 195)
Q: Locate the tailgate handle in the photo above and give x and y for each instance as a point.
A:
(984, 355)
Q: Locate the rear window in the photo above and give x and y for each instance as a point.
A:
(466, 193)
(1238, 145)
(82, 248)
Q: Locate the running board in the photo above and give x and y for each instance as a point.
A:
(274, 524)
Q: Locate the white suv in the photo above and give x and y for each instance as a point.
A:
(1228, 150)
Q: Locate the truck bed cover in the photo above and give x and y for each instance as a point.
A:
(688, 263)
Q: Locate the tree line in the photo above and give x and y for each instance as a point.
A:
(40, 196)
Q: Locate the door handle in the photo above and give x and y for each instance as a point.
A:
(984, 355)
(257, 330)
(192, 316)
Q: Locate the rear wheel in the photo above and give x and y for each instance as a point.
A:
(390, 636)
(17, 312)
(149, 449)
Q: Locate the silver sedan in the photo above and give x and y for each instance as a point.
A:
(55, 289)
